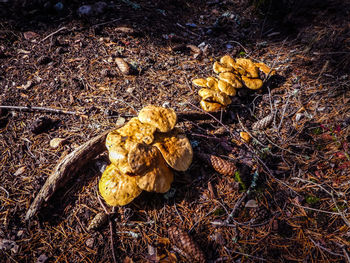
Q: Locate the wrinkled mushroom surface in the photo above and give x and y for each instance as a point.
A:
(226, 88)
(214, 96)
(252, 71)
(175, 148)
(133, 130)
(211, 106)
(232, 74)
(218, 68)
(163, 119)
(117, 188)
(232, 79)
(200, 82)
(253, 84)
(141, 158)
(157, 178)
(118, 155)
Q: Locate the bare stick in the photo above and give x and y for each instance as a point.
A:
(53, 33)
(346, 255)
(67, 168)
(110, 227)
(238, 203)
(45, 109)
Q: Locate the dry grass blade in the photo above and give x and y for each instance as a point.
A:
(67, 168)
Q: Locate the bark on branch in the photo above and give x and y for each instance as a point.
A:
(66, 169)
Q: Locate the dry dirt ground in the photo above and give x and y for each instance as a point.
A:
(296, 169)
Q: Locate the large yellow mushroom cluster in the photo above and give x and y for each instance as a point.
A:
(141, 153)
(232, 74)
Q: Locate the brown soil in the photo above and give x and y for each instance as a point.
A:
(300, 164)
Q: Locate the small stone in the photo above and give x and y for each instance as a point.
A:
(14, 249)
(120, 121)
(28, 85)
(42, 258)
(20, 233)
(298, 116)
(20, 171)
(29, 35)
(123, 66)
(104, 72)
(57, 142)
(99, 7)
(85, 10)
(251, 204)
(58, 7)
(130, 89)
(90, 242)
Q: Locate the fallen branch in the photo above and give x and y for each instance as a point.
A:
(44, 109)
(66, 169)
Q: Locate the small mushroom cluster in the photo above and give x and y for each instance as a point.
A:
(232, 74)
(141, 152)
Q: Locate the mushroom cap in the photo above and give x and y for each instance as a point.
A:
(117, 188)
(200, 82)
(212, 83)
(264, 68)
(133, 130)
(227, 61)
(214, 96)
(175, 148)
(141, 158)
(211, 106)
(226, 88)
(218, 68)
(118, 155)
(158, 177)
(232, 79)
(162, 118)
(252, 71)
(253, 84)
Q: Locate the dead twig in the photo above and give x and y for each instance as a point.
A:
(238, 203)
(53, 33)
(325, 249)
(110, 226)
(187, 30)
(44, 109)
(66, 169)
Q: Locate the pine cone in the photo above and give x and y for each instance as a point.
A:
(263, 123)
(220, 165)
(184, 242)
(259, 214)
(99, 220)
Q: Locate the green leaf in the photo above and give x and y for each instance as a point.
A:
(239, 180)
(311, 200)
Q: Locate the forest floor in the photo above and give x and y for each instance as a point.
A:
(296, 169)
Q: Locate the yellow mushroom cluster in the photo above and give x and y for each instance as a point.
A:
(232, 74)
(141, 153)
